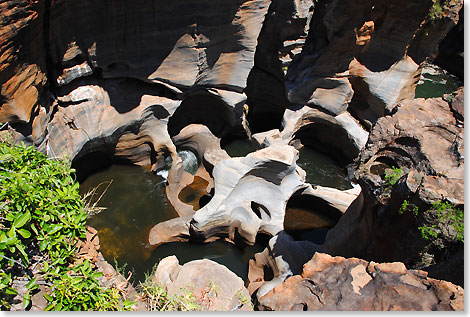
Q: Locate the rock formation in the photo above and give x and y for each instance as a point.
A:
(215, 287)
(424, 141)
(137, 82)
(336, 283)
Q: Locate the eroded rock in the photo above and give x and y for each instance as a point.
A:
(425, 142)
(214, 287)
(336, 283)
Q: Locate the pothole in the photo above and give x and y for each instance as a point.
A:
(135, 201)
(309, 218)
(234, 257)
(238, 147)
(322, 170)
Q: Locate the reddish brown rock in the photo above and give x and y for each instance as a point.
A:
(426, 142)
(336, 283)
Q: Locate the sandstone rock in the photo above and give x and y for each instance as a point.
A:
(336, 283)
(357, 59)
(215, 287)
(250, 195)
(341, 136)
(282, 258)
(173, 230)
(22, 75)
(425, 141)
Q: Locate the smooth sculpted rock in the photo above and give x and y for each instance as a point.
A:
(424, 142)
(337, 283)
(250, 195)
(23, 71)
(341, 136)
(364, 57)
(214, 287)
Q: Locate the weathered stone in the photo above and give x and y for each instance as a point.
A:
(425, 141)
(215, 287)
(357, 54)
(336, 283)
(250, 195)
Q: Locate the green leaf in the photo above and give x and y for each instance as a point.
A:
(22, 220)
(11, 291)
(32, 284)
(24, 233)
(26, 300)
(48, 297)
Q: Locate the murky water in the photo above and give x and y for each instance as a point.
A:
(435, 82)
(239, 147)
(135, 202)
(322, 170)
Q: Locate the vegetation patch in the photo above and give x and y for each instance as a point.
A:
(42, 217)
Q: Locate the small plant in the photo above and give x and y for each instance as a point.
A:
(405, 206)
(392, 176)
(77, 289)
(447, 215)
(437, 10)
(157, 298)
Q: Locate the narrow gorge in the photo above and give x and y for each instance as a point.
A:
(264, 154)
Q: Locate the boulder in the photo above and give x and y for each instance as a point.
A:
(337, 283)
(215, 288)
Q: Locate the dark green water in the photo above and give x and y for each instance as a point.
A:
(435, 82)
(239, 147)
(233, 257)
(322, 170)
(135, 202)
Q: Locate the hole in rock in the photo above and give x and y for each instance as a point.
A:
(328, 138)
(194, 192)
(135, 202)
(309, 218)
(236, 147)
(234, 257)
(322, 170)
(268, 273)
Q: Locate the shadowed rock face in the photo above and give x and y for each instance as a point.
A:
(336, 283)
(425, 140)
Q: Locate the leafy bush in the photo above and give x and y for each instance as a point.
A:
(78, 289)
(42, 213)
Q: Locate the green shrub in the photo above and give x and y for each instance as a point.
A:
(42, 213)
(447, 215)
(392, 176)
(77, 289)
